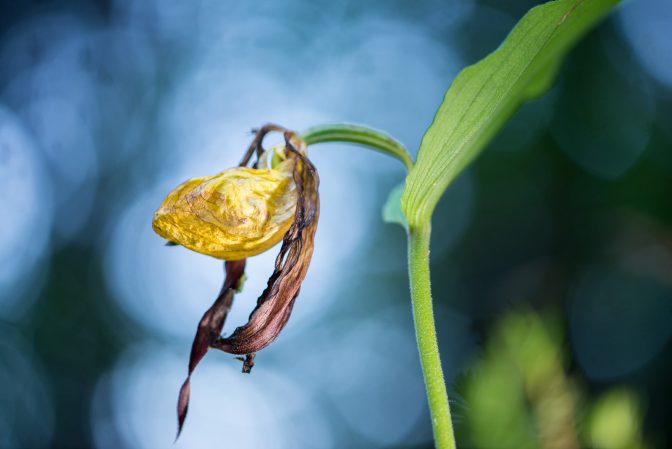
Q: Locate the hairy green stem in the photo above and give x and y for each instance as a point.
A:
(418, 261)
(359, 135)
(425, 333)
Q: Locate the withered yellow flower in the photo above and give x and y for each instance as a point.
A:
(238, 213)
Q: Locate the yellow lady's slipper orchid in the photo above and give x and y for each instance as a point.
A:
(240, 212)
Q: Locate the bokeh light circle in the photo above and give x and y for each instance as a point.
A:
(26, 211)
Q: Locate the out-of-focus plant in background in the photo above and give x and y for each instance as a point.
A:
(104, 104)
(520, 395)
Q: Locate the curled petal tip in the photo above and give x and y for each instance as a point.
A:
(183, 405)
(248, 362)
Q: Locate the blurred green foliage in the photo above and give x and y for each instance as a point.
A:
(520, 395)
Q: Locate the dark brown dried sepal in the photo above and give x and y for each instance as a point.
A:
(275, 304)
(209, 329)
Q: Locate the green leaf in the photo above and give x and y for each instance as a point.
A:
(483, 96)
(392, 209)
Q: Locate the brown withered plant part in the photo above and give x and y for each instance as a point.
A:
(274, 306)
(209, 328)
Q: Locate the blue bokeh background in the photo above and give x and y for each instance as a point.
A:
(107, 105)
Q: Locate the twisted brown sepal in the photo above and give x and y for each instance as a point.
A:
(275, 304)
(209, 329)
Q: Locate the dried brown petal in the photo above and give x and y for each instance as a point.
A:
(275, 304)
(209, 329)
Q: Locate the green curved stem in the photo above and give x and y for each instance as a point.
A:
(361, 135)
(425, 333)
(418, 265)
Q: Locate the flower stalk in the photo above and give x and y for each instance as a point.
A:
(419, 276)
(359, 135)
(425, 334)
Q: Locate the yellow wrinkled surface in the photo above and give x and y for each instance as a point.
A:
(238, 213)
